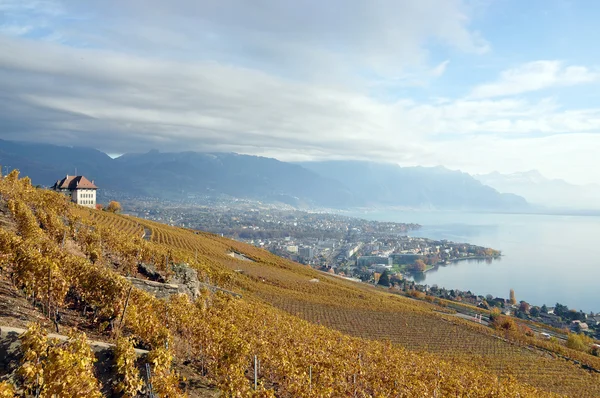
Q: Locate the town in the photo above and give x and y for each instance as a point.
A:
(558, 316)
(346, 246)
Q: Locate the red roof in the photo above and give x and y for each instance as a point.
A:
(74, 182)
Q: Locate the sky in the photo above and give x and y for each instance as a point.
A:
(473, 85)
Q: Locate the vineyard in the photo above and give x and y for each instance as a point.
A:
(330, 338)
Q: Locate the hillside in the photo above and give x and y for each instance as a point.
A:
(314, 334)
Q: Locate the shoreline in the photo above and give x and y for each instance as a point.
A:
(456, 260)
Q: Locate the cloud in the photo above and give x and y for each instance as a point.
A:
(121, 102)
(311, 39)
(281, 80)
(571, 157)
(440, 69)
(534, 76)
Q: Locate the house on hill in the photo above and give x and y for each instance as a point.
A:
(81, 190)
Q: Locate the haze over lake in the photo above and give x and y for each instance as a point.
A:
(545, 258)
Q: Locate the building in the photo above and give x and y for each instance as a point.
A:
(365, 261)
(81, 190)
(306, 252)
(352, 250)
(579, 326)
(292, 248)
(381, 268)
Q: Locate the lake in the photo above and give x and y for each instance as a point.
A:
(545, 258)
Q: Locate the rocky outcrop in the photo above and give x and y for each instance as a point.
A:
(187, 279)
(183, 281)
(157, 289)
(150, 272)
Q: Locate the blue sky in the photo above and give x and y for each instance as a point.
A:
(475, 85)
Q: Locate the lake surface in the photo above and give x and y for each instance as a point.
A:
(545, 258)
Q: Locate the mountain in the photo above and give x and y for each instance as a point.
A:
(416, 187)
(176, 175)
(45, 163)
(538, 189)
(184, 175)
(232, 174)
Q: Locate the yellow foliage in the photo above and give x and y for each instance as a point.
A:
(579, 342)
(7, 390)
(58, 369)
(165, 381)
(113, 207)
(130, 382)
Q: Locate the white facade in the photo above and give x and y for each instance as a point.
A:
(84, 197)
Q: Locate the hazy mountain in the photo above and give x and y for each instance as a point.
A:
(45, 164)
(538, 189)
(191, 174)
(415, 187)
(235, 175)
(177, 175)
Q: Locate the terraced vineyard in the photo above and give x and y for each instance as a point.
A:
(367, 312)
(128, 225)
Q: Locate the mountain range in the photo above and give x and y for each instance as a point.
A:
(379, 184)
(185, 175)
(539, 190)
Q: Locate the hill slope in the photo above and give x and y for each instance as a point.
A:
(276, 319)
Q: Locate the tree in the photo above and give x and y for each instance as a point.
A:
(524, 307)
(99, 206)
(395, 279)
(114, 207)
(419, 266)
(384, 279)
(534, 311)
(560, 309)
(544, 309)
(513, 300)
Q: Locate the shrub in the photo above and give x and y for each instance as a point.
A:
(579, 342)
(504, 323)
(416, 294)
(114, 207)
(526, 331)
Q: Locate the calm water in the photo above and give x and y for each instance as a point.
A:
(546, 259)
